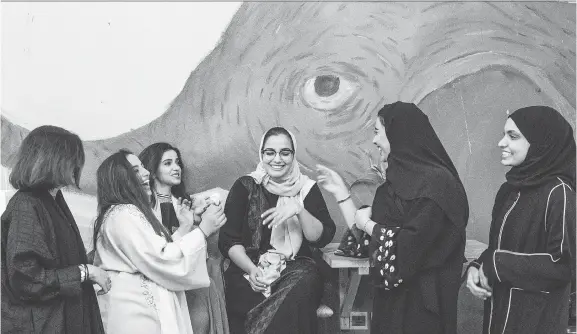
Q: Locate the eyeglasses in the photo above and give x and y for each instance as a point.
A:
(269, 153)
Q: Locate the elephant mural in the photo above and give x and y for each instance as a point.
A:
(324, 69)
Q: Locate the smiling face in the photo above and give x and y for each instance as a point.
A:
(169, 172)
(381, 141)
(514, 146)
(140, 171)
(277, 156)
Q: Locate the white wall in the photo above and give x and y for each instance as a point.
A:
(99, 69)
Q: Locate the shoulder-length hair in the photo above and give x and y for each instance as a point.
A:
(49, 157)
(151, 157)
(117, 183)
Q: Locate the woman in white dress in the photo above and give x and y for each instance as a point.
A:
(150, 268)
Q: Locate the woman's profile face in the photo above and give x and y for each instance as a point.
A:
(381, 141)
(140, 171)
(514, 146)
(277, 156)
(169, 172)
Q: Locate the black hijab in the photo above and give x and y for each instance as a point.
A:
(552, 151)
(419, 166)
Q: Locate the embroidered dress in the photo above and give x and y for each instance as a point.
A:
(206, 306)
(149, 275)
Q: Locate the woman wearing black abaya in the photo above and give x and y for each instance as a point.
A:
(525, 275)
(417, 225)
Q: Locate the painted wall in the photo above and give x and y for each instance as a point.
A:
(464, 64)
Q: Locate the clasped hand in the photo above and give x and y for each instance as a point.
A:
(277, 215)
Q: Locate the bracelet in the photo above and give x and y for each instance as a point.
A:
(344, 199)
(87, 272)
(201, 230)
(82, 273)
(365, 225)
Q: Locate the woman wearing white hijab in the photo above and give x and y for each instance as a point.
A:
(274, 215)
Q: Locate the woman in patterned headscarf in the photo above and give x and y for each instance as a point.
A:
(273, 216)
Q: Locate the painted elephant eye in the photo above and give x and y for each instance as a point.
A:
(327, 85)
(328, 92)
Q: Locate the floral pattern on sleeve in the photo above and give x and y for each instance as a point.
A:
(355, 243)
(384, 257)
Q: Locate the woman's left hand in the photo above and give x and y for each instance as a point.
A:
(184, 212)
(362, 216)
(279, 214)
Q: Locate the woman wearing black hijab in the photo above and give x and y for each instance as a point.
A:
(417, 225)
(525, 275)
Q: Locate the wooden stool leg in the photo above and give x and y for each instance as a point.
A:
(348, 294)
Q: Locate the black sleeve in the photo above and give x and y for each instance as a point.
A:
(235, 210)
(28, 260)
(398, 253)
(493, 229)
(315, 204)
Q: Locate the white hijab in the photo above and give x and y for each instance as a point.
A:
(286, 237)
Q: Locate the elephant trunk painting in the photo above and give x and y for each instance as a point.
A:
(323, 70)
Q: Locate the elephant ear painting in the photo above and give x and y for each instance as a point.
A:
(323, 70)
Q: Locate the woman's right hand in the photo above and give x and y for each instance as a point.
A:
(475, 283)
(254, 279)
(184, 213)
(332, 182)
(99, 276)
(212, 219)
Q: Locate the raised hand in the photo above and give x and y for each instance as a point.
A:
(213, 219)
(184, 212)
(332, 182)
(275, 216)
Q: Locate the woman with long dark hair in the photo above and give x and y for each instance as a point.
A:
(46, 278)
(150, 267)
(167, 182)
(526, 274)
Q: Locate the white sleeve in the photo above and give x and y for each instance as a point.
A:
(176, 266)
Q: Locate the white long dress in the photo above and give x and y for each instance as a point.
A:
(149, 275)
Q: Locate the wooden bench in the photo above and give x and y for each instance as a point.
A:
(350, 271)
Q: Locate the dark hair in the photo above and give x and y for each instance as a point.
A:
(117, 183)
(275, 132)
(151, 158)
(49, 157)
